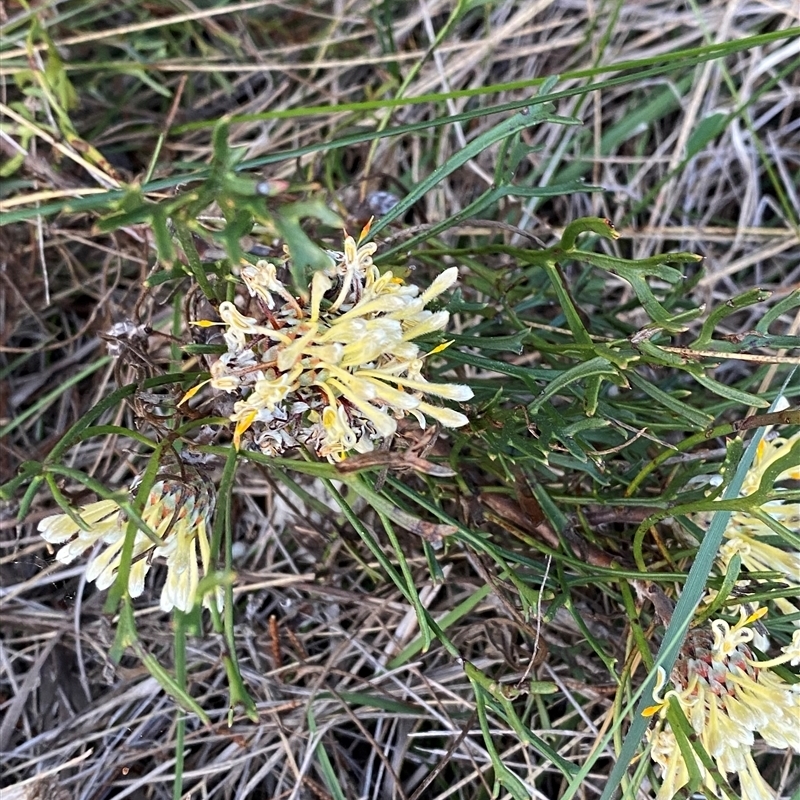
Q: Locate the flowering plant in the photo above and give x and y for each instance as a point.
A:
(746, 533)
(335, 372)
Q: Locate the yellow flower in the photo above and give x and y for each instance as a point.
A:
(664, 750)
(335, 371)
(758, 556)
(339, 435)
(239, 326)
(745, 534)
(728, 696)
(354, 266)
(792, 651)
(189, 534)
(177, 510)
(767, 453)
(261, 280)
(787, 512)
(100, 519)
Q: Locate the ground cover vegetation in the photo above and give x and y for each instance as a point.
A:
(399, 400)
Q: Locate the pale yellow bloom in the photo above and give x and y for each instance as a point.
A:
(728, 696)
(787, 512)
(102, 524)
(767, 453)
(664, 750)
(222, 379)
(758, 546)
(354, 266)
(238, 325)
(270, 391)
(452, 391)
(261, 280)
(758, 556)
(339, 436)
(792, 651)
(186, 544)
(446, 416)
(340, 369)
(441, 283)
(178, 512)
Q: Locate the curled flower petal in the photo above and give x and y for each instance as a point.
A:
(448, 417)
(239, 326)
(99, 518)
(452, 391)
(441, 283)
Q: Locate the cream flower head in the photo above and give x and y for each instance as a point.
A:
(337, 371)
(178, 510)
(728, 696)
(749, 537)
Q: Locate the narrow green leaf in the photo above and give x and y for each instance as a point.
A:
(495, 344)
(568, 307)
(421, 612)
(709, 128)
(518, 122)
(789, 303)
(503, 694)
(729, 393)
(125, 634)
(743, 300)
(595, 366)
(329, 776)
(597, 225)
(695, 418)
(43, 402)
(444, 622)
(171, 686)
(721, 598)
(502, 775)
(306, 255)
(184, 237)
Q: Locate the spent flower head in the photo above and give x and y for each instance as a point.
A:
(178, 510)
(728, 696)
(334, 371)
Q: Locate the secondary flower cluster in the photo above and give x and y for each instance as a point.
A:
(178, 510)
(727, 695)
(335, 371)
